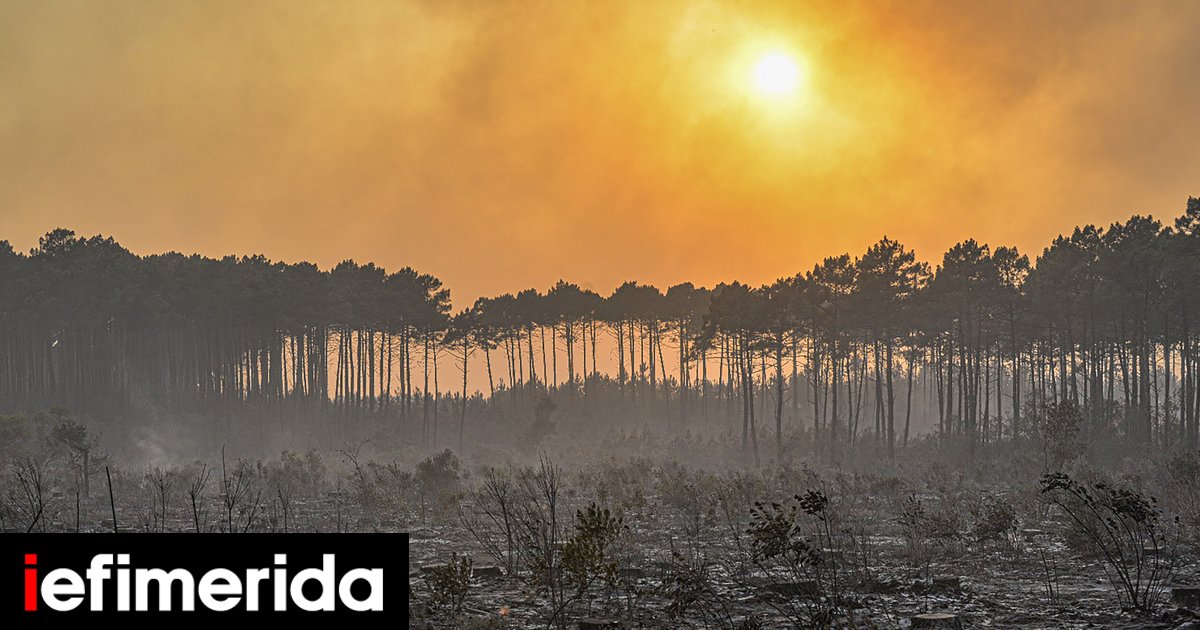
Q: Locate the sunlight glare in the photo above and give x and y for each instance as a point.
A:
(776, 73)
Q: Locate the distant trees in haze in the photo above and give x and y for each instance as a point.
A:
(1104, 318)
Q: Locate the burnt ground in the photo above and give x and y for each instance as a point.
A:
(983, 545)
(1024, 578)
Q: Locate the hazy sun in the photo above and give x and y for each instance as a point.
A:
(776, 73)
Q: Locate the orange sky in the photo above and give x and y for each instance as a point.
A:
(504, 145)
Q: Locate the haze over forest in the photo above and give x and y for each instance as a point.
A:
(246, 350)
(723, 155)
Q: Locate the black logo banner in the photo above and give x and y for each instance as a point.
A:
(50, 579)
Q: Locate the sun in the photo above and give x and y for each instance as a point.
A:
(776, 73)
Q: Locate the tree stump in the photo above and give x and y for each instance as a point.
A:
(936, 620)
(1186, 596)
(1150, 551)
(947, 583)
(632, 573)
(804, 588)
(487, 571)
(940, 584)
(662, 566)
(598, 624)
(833, 556)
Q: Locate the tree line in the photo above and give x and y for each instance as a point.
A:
(1104, 319)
